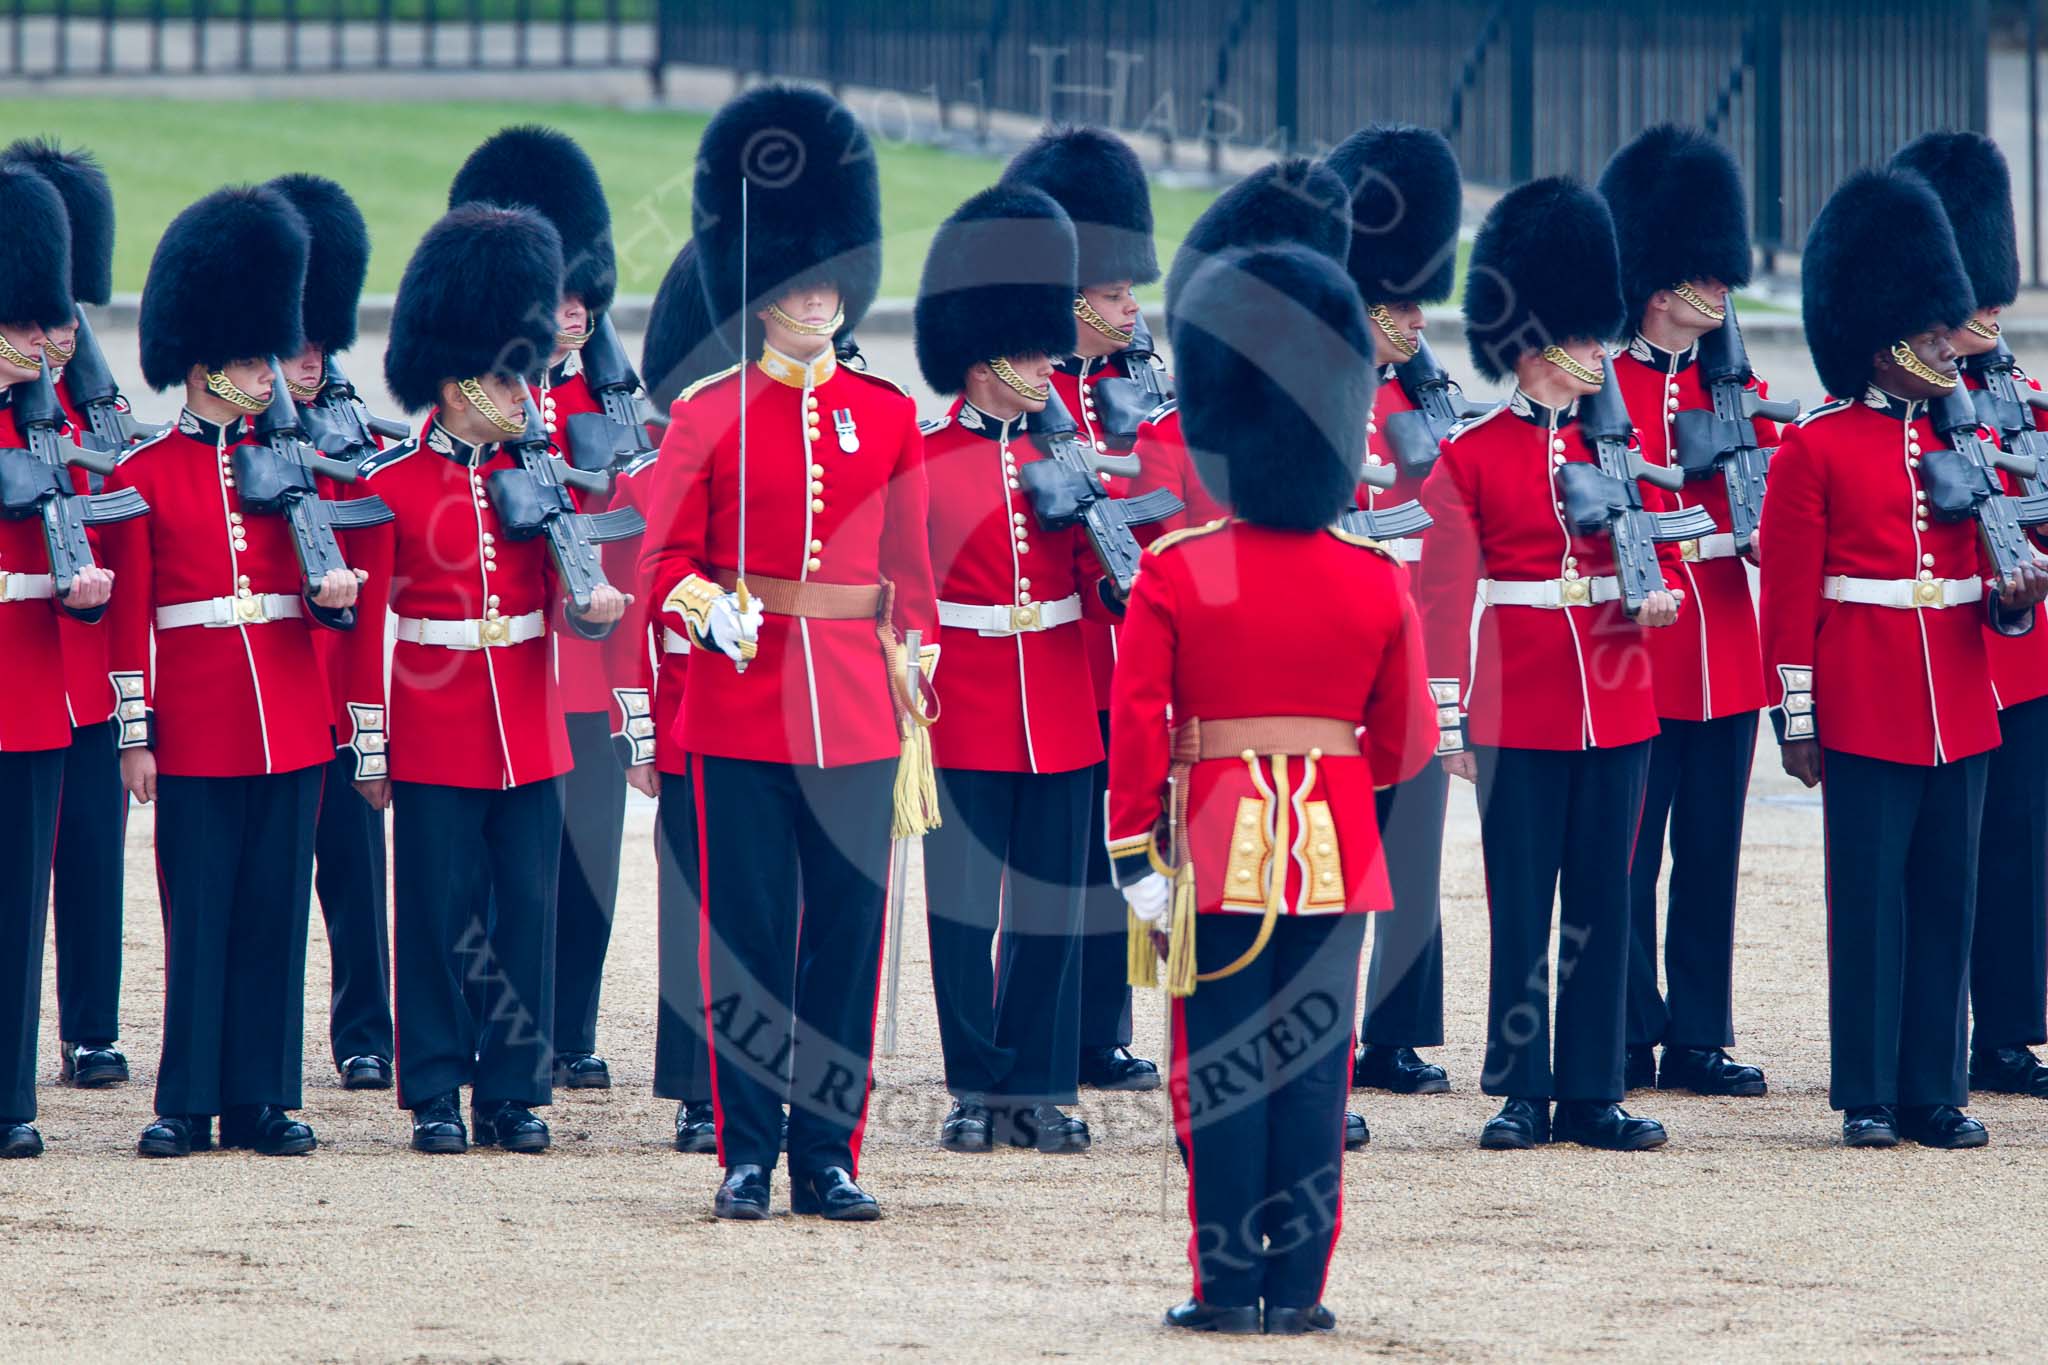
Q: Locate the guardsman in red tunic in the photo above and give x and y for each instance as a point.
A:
(2009, 948)
(1682, 222)
(1556, 701)
(92, 820)
(215, 631)
(1873, 618)
(541, 169)
(1406, 202)
(1020, 743)
(793, 558)
(1098, 180)
(473, 740)
(348, 848)
(1241, 794)
(35, 725)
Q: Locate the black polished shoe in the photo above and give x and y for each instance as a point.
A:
(367, 1072)
(1639, 1069)
(1520, 1125)
(1611, 1128)
(743, 1196)
(2008, 1071)
(1871, 1125)
(1356, 1134)
(966, 1128)
(511, 1126)
(1294, 1322)
(1196, 1316)
(582, 1071)
(266, 1130)
(88, 1066)
(1399, 1069)
(1941, 1125)
(1044, 1128)
(831, 1193)
(1708, 1071)
(437, 1126)
(696, 1127)
(19, 1140)
(176, 1135)
(1114, 1068)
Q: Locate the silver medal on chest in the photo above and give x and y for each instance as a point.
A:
(842, 422)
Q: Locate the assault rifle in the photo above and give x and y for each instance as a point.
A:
(1385, 523)
(92, 388)
(1417, 437)
(1605, 496)
(1066, 490)
(36, 482)
(533, 500)
(1124, 401)
(2005, 405)
(340, 426)
(1962, 482)
(1723, 439)
(606, 441)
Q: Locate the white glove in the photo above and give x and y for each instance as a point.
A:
(728, 625)
(1150, 897)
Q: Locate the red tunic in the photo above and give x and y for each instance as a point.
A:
(1163, 462)
(579, 662)
(1014, 703)
(35, 716)
(818, 692)
(230, 701)
(89, 690)
(2019, 663)
(1073, 381)
(1710, 664)
(1907, 685)
(1544, 678)
(1219, 628)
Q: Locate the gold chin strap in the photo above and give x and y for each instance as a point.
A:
(305, 393)
(21, 358)
(1698, 301)
(220, 386)
(57, 352)
(1392, 331)
(805, 329)
(1037, 393)
(473, 391)
(1085, 311)
(1989, 331)
(1557, 356)
(1920, 369)
(572, 341)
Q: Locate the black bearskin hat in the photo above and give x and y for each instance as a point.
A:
(682, 343)
(1099, 181)
(1293, 201)
(478, 297)
(1276, 380)
(88, 201)
(35, 257)
(1543, 271)
(1680, 213)
(540, 169)
(337, 262)
(1880, 264)
(1969, 176)
(1407, 199)
(225, 284)
(813, 206)
(998, 281)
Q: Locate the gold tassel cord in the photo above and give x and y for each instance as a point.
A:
(1141, 962)
(917, 784)
(1180, 936)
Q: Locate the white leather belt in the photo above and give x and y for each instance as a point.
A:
(674, 641)
(1720, 545)
(26, 587)
(1407, 549)
(494, 632)
(213, 612)
(1552, 593)
(1903, 593)
(1011, 620)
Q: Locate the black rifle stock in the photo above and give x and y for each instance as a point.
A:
(1723, 439)
(2006, 405)
(92, 387)
(340, 425)
(1066, 490)
(533, 500)
(36, 482)
(1417, 437)
(617, 388)
(1124, 401)
(1962, 482)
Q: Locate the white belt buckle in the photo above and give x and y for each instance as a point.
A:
(1024, 618)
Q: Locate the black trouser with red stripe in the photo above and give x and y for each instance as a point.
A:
(1698, 785)
(1009, 853)
(474, 876)
(349, 877)
(796, 862)
(682, 1066)
(1902, 897)
(30, 782)
(1404, 988)
(2009, 951)
(1558, 827)
(1261, 1067)
(1105, 945)
(593, 827)
(92, 827)
(234, 859)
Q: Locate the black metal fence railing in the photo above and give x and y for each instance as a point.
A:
(57, 38)
(1802, 90)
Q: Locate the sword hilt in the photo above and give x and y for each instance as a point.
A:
(748, 648)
